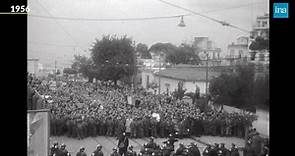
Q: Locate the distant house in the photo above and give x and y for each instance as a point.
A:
(190, 76)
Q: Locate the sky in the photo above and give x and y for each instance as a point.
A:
(52, 39)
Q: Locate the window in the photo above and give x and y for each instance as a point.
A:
(264, 23)
(261, 57)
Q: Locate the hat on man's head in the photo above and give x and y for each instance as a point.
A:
(98, 145)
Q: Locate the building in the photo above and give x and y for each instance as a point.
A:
(191, 77)
(32, 66)
(260, 29)
(206, 49)
(238, 52)
(147, 78)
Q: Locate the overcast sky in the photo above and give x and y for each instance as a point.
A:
(46, 36)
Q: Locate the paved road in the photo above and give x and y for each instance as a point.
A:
(108, 143)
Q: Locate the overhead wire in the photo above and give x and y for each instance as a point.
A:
(138, 18)
(224, 23)
(69, 35)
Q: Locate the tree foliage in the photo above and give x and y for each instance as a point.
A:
(113, 57)
(234, 89)
(85, 66)
(183, 54)
(142, 49)
(166, 48)
(69, 71)
(259, 44)
(261, 92)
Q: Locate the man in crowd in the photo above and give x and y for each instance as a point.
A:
(234, 151)
(54, 148)
(115, 152)
(194, 150)
(181, 150)
(151, 144)
(81, 152)
(130, 151)
(123, 144)
(208, 151)
(98, 151)
(63, 151)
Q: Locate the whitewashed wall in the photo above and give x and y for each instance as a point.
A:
(144, 75)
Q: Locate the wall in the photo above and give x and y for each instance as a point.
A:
(191, 86)
(144, 75)
(173, 84)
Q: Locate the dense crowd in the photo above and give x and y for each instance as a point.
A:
(82, 109)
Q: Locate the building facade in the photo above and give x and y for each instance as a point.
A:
(191, 77)
(260, 29)
(206, 49)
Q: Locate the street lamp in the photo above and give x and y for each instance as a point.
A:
(181, 24)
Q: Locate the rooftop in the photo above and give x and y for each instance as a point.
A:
(187, 73)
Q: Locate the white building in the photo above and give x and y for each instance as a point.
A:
(147, 78)
(205, 47)
(238, 51)
(169, 78)
(260, 29)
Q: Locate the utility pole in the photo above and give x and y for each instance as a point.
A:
(55, 70)
(159, 75)
(206, 88)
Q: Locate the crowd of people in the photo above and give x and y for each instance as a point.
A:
(151, 148)
(82, 109)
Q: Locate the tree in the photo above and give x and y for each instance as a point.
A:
(142, 49)
(69, 71)
(259, 44)
(234, 89)
(114, 58)
(183, 54)
(261, 92)
(85, 66)
(166, 48)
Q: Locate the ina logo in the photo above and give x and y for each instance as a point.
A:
(280, 10)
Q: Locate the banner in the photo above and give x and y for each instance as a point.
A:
(38, 132)
(131, 100)
(157, 116)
